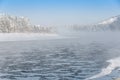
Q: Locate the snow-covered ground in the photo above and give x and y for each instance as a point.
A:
(113, 64)
(25, 36)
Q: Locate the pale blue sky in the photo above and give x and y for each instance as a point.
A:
(62, 12)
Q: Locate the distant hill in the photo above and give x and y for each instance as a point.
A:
(14, 24)
(111, 24)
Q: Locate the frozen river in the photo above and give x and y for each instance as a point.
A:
(73, 58)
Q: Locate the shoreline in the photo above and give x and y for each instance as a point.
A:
(25, 36)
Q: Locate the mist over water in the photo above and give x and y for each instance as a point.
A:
(75, 55)
(59, 40)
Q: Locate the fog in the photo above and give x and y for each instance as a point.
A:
(104, 36)
(69, 55)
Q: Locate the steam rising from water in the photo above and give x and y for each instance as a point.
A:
(90, 48)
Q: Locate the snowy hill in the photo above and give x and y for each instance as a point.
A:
(109, 21)
(14, 24)
(111, 24)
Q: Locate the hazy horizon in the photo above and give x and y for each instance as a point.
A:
(62, 12)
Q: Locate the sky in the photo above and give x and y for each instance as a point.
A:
(62, 12)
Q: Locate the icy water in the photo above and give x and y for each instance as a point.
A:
(57, 59)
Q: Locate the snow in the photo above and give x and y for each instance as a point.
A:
(15, 24)
(25, 36)
(109, 21)
(114, 63)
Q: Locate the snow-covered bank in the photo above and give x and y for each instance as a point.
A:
(25, 36)
(114, 63)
